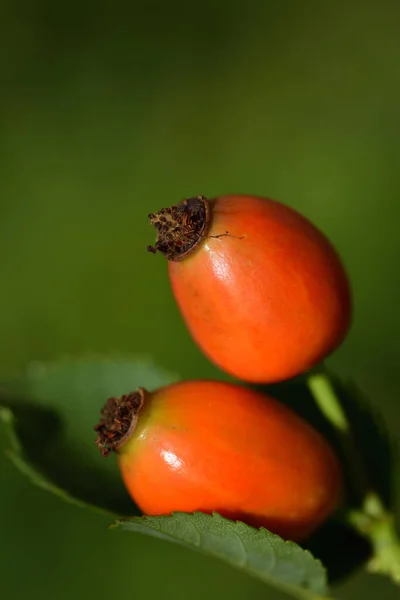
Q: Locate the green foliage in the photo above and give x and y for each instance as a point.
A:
(257, 552)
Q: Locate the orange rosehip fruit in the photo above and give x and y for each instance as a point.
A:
(214, 446)
(262, 291)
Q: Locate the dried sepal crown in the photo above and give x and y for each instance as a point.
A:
(118, 421)
(180, 228)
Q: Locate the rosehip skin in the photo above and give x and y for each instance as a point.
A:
(269, 306)
(213, 446)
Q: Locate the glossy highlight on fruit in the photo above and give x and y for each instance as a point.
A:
(214, 446)
(262, 291)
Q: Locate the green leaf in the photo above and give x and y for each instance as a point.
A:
(257, 552)
(49, 415)
(16, 453)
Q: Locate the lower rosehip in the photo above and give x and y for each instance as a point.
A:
(214, 446)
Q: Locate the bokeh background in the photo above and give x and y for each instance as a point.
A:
(111, 110)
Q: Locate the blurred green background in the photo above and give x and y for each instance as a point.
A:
(110, 111)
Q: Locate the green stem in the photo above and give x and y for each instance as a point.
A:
(372, 521)
(377, 525)
(330, 406)
(328, 402)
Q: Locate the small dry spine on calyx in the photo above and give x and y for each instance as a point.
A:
(181, 228)
(118, 421)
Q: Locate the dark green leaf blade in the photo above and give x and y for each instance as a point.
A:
(259, 553)
(16, 453)
(50, 413)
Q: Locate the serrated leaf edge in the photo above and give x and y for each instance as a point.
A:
(298, 592)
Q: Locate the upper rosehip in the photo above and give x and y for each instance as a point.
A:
(261, 289)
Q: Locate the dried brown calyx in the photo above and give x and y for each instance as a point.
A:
(181, 228)
(118, 421)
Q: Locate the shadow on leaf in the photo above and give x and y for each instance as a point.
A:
(41, 444)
